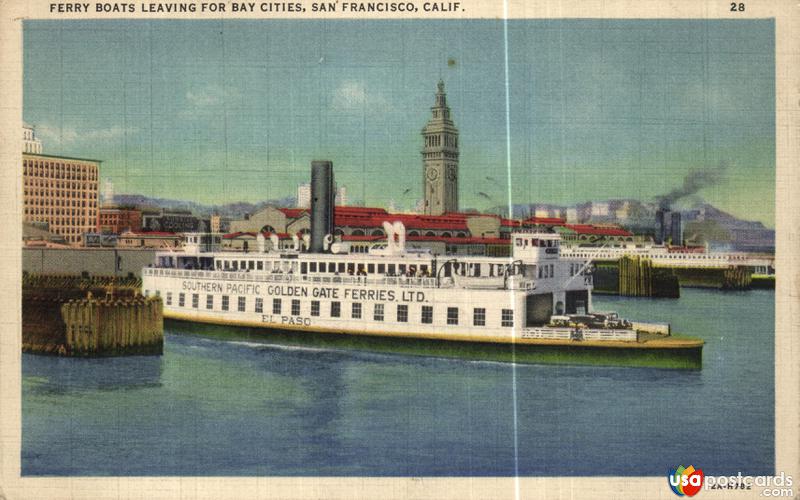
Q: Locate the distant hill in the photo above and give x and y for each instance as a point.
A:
(723, 231)
(235, 210)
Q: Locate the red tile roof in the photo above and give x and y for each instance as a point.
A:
(293, 213)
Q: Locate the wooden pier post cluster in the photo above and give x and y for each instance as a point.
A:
(635, 277)
(638, 277)
(89, 316)
(113, 326)
(737, 278)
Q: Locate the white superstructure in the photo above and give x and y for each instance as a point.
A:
(389, 291)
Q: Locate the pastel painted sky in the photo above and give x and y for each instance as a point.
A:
(222, 111)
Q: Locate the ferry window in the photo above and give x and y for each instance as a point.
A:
(235, 265)
(391, 269)
(259, 304)
(315, 308)
(427, 314)
(304, 268)
(243, 264)
(241, 304)
(181, 299)
(341, 268)
(209, 302)
(370, 268)
(356, 310)
(402, 313)
(479, 316)
(276, 306)
(218, 264)
(452, 315)
(424, 268)
(251, 265)
(402, 268)
(295, 307)
(381, 268)
(224, 302)
(169, 298)
(313, 266)
(158, 293)
(540, 271)
(507, 318)
(378, 312)
(351, 268)
(260, 265)
(336, 309)
(195, 300)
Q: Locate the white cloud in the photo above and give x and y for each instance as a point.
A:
(352, 95)
(68, 134)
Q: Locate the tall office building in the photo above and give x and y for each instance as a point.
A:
(62, 192)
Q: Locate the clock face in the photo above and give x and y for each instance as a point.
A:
(433, 174)
(451, 173)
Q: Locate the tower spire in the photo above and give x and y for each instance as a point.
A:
(440, 158)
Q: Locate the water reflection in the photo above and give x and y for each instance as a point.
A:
(57, 374)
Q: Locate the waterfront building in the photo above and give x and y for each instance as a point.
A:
(30, 143)
(36, 234)
(440, 159)
(149, 239)
(304, 195)
(108, 194)
(115, 220)
(170, 220)
(62, 192)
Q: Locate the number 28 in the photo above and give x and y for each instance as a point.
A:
(737, 7)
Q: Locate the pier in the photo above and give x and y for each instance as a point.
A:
(89, 316)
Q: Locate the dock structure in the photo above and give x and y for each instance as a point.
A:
(624, 271)
(89, 316)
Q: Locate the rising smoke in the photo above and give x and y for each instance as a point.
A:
(694, 181)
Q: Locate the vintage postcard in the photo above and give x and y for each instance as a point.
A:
(399, 249)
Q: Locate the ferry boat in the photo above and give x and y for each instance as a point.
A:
(535, 305)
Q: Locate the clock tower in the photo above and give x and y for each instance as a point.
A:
(440, 159)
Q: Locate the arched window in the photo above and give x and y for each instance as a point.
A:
(430, 233)
(268, 229)
(338, 232)
(358, 232)
(413, 233)
(445, 234)
(461, 235)
(377, 232)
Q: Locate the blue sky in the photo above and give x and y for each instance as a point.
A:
(221, 111)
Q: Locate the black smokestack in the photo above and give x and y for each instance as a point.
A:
(694, 181)
(675, 229)
(662, 225)
(322, 199)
